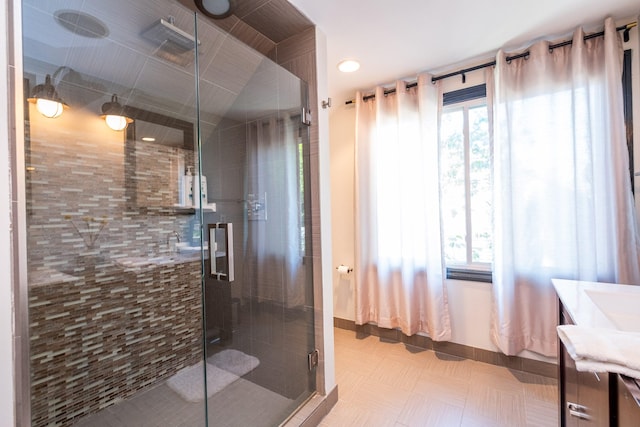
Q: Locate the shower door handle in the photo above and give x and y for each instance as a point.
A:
(221, 251)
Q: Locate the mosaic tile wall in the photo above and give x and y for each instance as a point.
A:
(102, 329)
(99, 339)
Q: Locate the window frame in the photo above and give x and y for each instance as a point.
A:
(466, 99)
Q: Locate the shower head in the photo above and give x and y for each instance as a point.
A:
(165, 32)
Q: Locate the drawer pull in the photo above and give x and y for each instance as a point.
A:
(578, 411)
(580, 415)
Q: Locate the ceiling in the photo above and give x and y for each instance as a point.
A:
(437, 36)
(390, 44)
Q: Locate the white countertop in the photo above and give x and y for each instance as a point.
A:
(600, 305)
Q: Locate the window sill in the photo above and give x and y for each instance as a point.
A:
(470, 274)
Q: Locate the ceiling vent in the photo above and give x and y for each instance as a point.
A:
(82, 24)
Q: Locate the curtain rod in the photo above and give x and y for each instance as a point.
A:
(626, 28)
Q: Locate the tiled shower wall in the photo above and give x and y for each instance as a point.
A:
(77, 200)
(101, 330)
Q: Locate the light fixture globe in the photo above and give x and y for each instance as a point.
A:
(116, 122)
(47, 100)
(113, 114)
(216, 9)
(49, 108)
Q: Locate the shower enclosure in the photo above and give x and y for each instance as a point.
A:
(168, 225)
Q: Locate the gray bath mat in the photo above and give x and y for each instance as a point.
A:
(189, 384)
(234, 361)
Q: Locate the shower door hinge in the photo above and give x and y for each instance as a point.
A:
(313, 358)
(306, 117)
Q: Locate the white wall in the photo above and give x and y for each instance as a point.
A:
(469, 302)
(342, 139)
(325, 211)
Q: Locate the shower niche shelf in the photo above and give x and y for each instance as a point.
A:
(170, 210)
(161, 210)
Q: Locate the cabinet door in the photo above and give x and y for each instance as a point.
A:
(593, 394)
(584, 395)
(570, 386)
(628, 407)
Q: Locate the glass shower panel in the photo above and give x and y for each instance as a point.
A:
(115, 310)
(255, 158)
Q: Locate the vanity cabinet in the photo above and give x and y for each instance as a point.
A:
(600, 399)
(585, 397)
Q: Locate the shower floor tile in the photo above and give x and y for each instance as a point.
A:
(242, 403)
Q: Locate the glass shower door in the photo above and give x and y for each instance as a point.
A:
(255, 157)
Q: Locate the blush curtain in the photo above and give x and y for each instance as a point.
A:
(400, 273)
(562, 196)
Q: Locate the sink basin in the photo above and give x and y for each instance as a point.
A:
(621, 308)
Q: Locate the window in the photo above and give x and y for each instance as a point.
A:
(466, 184)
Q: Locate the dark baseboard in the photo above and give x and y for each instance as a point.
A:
(494, 358)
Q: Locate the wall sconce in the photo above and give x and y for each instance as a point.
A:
(216, 9)
(113, 114)
(47, 100)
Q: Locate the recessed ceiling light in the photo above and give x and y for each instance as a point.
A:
(348, 65)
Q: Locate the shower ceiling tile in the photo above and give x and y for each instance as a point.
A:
(108, 61)
(233, 66)
(253, 20)
(295, 47)
(245, 7)
(215, 101)
(126, 28)
(211, 41)
(39, 14)
(162, 106)
(259, 97)
(163, 81)
(278, 20)
(117, 58)
(251, 37)
(51, 46)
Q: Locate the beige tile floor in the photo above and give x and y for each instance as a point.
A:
(391, 384)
